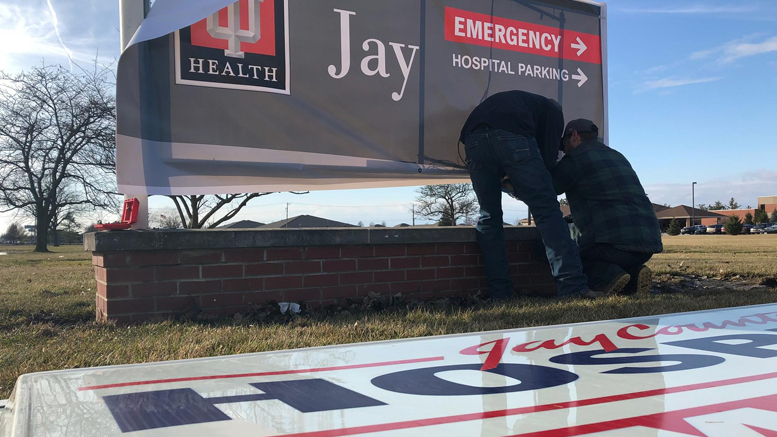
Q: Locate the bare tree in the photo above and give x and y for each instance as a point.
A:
(57, 131)
(66, 211)
(201, 211)
(13, 234)
(165, 218)
(446, 203)
(717, 206)
(64, 219)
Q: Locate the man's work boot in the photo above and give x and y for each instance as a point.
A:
(641, 281)
(616, 285)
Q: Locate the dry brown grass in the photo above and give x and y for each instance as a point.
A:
(749, 256)
(47, 311)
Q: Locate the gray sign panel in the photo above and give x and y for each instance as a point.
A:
(268, 95)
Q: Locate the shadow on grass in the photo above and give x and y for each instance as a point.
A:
(70, 314)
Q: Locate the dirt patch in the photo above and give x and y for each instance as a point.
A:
(693, 283)
(769, 282)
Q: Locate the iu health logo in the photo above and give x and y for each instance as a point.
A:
(243, 46)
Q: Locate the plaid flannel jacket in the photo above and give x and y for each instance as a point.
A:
(607, 200)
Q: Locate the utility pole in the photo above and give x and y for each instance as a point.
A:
(693, 204)
(131, 14)
(287, 215)
(414, 214)
(529, 213)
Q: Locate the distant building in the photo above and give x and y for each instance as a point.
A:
(724, 214)
(307, 221)
(707, 218)
(767, 203)
(243, 224)
(565, 211)
(685, 215)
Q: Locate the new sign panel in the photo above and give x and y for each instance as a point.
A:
(708, 373)
(264, 95)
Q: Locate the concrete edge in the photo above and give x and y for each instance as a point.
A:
(207, 239)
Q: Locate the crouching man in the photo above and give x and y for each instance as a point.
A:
(619, 231)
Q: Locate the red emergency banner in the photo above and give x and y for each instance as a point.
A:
(519, 36)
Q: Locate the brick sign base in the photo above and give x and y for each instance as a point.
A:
(147, 275)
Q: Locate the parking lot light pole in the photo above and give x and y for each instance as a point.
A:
(693, 204)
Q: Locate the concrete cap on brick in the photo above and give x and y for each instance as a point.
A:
(112, 241)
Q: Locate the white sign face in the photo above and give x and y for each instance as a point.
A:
(708, 373)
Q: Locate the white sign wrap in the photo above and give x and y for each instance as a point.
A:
(708, 373)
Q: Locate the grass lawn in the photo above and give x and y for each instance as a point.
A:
(47, 311)
(749, 256)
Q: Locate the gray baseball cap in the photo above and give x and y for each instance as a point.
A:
(581, 125)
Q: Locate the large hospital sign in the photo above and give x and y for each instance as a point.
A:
(219, 96)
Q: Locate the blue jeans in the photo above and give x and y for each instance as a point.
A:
(491, 154)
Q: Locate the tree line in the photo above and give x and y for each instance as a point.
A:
(57, 161)
(57, 156)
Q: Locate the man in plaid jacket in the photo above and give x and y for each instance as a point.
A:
(619, 231)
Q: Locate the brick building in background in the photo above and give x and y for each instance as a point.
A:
(688, 216)
(765, 203)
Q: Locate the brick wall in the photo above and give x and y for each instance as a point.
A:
(139, 285)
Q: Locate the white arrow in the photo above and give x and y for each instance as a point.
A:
(580, 46)
(581, 77)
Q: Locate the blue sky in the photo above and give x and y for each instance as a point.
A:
(693, 90)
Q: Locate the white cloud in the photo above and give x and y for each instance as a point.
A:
(55, 23)
(20, 37)
(745, 188)
(736, 51)
(656, 69)
(695, 9)
(741, 48)
(673, 82)
(702, 54)
(31, 31)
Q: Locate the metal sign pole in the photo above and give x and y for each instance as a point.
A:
(131, 14)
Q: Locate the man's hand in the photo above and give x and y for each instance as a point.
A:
(507, 187)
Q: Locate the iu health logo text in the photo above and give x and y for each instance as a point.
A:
(243, 46)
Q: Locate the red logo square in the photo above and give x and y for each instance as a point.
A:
(223, 28)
